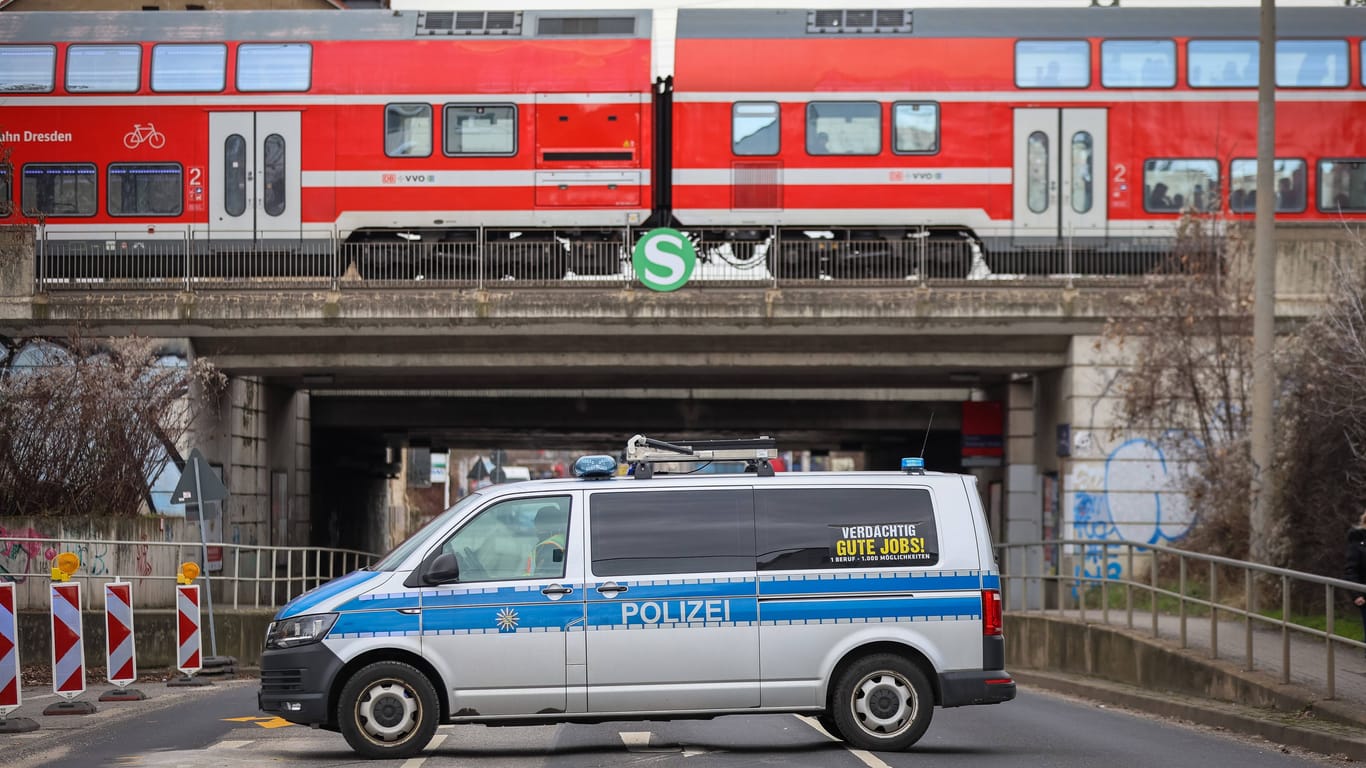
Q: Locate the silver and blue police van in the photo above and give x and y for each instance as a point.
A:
(863, 599)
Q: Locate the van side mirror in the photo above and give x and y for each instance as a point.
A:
(442, 570)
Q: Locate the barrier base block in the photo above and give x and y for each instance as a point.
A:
(188, 681)
(123, 694)
(219, 666)
(17, 725)
(70, 708)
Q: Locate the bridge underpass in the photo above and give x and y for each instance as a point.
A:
(359, 437)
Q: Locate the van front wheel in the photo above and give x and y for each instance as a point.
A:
(883, 703)
(388, 710)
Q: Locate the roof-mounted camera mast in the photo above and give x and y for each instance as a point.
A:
(642, 453)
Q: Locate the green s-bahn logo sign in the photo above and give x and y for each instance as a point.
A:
(664, 259)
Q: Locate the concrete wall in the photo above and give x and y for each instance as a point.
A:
(240, 634)
(153, 551)
(1117, 484)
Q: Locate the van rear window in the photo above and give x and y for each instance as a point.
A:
(801, 528)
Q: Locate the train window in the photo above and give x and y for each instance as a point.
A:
(103, 68)
(1311, 63)
(1362, 58)
(754, 128)
(145, 189)
(480, 129)
(235, 175)
(273, 186)
(1290, 185)
(843, 128)
(6, 207)
(1342, 185)
(1222, 63)
(1172, 186)
(1036, 160)
(274, 66)
(1082, 171)
(28, 68)
(915, 127)
(59, 189)
(1052, 64)
(189, 68)
(1138, 64)
(408, 130)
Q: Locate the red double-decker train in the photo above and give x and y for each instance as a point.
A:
(1016, 130)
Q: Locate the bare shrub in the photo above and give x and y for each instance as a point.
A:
(85, 425)
(1188, 332)
(1322, 434)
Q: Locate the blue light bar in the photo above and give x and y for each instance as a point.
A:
(595, 466)
(913, 465)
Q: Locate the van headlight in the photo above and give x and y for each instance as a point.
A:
(300, 630)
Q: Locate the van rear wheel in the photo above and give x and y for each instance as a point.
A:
(388, 710)
(883, 703)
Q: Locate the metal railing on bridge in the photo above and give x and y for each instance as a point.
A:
(242, 576)
(1182, 592)
(132, 260)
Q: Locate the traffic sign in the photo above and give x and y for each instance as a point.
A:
(664, 259)
(208, 483)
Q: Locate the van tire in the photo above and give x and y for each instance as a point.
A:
(388, 709)
(827, 721)
(882, 703)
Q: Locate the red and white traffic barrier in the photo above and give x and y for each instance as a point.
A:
(120, 658)
(68, 651)
(188, 657)
(11, 692)
(11, 686)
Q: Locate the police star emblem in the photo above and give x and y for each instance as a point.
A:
(507, 620)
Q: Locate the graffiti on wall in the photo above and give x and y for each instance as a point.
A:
(20, 558)
(1132, 494)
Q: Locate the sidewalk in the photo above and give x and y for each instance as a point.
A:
(1305, 717)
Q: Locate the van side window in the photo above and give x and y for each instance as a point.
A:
(514, 539)
(655, 532)
(803, 528)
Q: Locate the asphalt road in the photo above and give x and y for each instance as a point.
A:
(221, 728)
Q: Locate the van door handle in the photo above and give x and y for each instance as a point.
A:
(556, 589)
(611, 589)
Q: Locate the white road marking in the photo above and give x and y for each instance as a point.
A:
(232, 743)
(639, 741)
(865, 757)
(416, 762)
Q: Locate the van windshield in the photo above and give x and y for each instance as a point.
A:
(394, 559)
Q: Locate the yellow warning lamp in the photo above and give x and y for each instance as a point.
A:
(67, 564)
(188, 573)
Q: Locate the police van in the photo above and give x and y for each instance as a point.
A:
(863, 599)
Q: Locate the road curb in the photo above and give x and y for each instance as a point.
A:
(1297, 729)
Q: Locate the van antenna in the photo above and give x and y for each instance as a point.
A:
(926, 441)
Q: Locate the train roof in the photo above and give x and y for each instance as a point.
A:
(715, 23)
(282, 26)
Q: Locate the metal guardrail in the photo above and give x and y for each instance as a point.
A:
(1097, 567)
(251, 576)
(136, 260)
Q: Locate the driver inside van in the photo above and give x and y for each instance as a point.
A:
(547, 557)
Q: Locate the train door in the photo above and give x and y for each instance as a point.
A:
(588, 150)
(254, 174)
(1059, 175)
